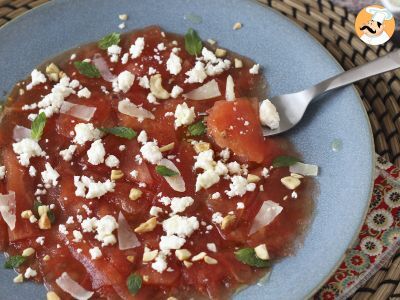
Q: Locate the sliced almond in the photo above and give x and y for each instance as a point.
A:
(147, 226)
(220, 52)
(187, 264)
(52, 296)
(210, 260)
(28, 252)
(228, 221)
(135, 194)
(201, 147)
(123, 17)
(26, 214)
(44, 222)
(167, 147)
(130, 258)
(262, 252)
(116, 174)
(211, 41)
(43, 209)
(183, 254)
(199, 256)
(290, 182)
(172, 298)
(150, 255)
(237, 26)
(46, 258)
(251, 178)
(19, 278)
(295, 175)
(238, 63)
(156, 87)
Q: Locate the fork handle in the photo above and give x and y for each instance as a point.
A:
(380, 65)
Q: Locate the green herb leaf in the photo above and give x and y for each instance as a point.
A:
(52, 216)
(197, 129)
(14, 261)
(109, 40)
(284, 161)
(193, 44)
(87, 69)
(134, 283)
(164, 171)
(36, 204)
(38, 126)
(248, 256)
(123, 132)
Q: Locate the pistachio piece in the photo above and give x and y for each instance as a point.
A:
(227, 221)
(238, 63)
(18, 279)
(116, 174)
(182, 254)
(44, 222)
(210, 260)
(201, 147)
(290, 182)
(26, 214)
(237, 26)
(135, 194)
(53, 72)
(156, 87)
(147, 226)
(262, 252)
(43, 209)
(220, 52)
(130, 258)
(46, 258)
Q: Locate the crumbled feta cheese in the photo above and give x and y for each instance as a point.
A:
(180, 226)
(294, 195)
(217, 218)
(269, 116)
(239, 186)
(160, 264)
(70, 220)
(220, 168)
(225, 154)
(216, 195)
(124, 58)
(165, 200)
(67, 154)
(151, 98)
(205, 160)
(136, 49)
(2, 172)
(85, 133)
(32, 171)
(155, 210)
(77, 236)
(208, 55)
(121, 147)
(184, 115)
(144, 82)
(30, 273)
(206, 180)
(95, 189)
(121, 26)
(212, 247)
(84, 93)
(74, 84)
(174, 64)
(216, 69)
(37, 78)
(151, 152)
(142, 137)
(197, 74)
(176, 91)
(265, 172)
(89, 224)
(134, 173)
(240, 205)
(50, 176)
(180, 204)
(123, 82)
(96, 153)
(95, 253)
(112, 161)
(171, 242)
(254, 69)
(105, 227)
(26, 149)
(152, 71)
(234, 167)
(62, 229)
(161, 47)
(40, 240)
(114, 51)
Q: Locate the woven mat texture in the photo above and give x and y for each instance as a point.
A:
(333, 27)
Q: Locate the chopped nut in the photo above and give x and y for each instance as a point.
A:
(227, 221)
(44, 222)
(150, 255)
(52, 296)
(168, 147)
(46, 258)
(237, 26)
(210, 260)
(211, 42)
(135, 194)
(285, 198)
(220, 52)
(172, 298)
(123, 17)
(53, 72)
(147, 226)
(290, 182)
(238, 63)
(262, 252)
(130, 258)
(199, 256)
(251, 178)
(183, 254)
(187, 264)
(19, 278)
(26, 214)
(28, 252)
(62, 74)
(295, 175)
(156, 87)
(43, 209)
(145, 278)
(116, 174)
(201, 147)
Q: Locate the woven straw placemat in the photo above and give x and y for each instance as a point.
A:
(333, 27)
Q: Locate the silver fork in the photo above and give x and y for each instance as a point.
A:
(291, 107)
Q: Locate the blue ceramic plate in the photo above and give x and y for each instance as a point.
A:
(291, 60)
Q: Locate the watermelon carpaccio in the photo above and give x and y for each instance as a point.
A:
(188, 185)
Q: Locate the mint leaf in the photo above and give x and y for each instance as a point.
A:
(109, 40)
(193, 44)
(51, 216)
(134, 283)
(38, 126)
(197, 129)
(14, 261)
(164, 171)
(36, 204)
(123, 132)
(248, 256)
(284, 161)
(87, 69)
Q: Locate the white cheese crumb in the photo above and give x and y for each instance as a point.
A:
(96, 153)
(40, 240)
(37, 78)
(77, 236)
(114, 51)
(265, 172)
(239, 186)
(86, 132)
(269, 116)
(94, 189)
(171, 242)
(155, 211)
(121, 26)
(50, 176)
(62, 229)
(254, 69)
(180, 204)
(134, 173)
(124, 81)
(67, 154)
(121, 147)
(217, 218)
(160, 264)
(206, 180)
(30, 273)
(95, 253)
(136, 49)
(225, 154)
(105, 227)
(142, 137)
(84, 93)
(174, 64)
(151, 152)
(240, 205)
(112, 161)
(152, 71)
(151, 98)
(70, 220)
(26, 149)
(144, 82)
(212, 247)
(216, 195)
(180, 226)
(197, 74)
(294, 195)
(124, 58)
(2, 172)
(176, 91)
(184, 115)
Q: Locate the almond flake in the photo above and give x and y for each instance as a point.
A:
(290, 182)
(147, 226)
(199, 256)
(182, 254)
(210, 260)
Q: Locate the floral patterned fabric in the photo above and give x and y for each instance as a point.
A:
(378, 240)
